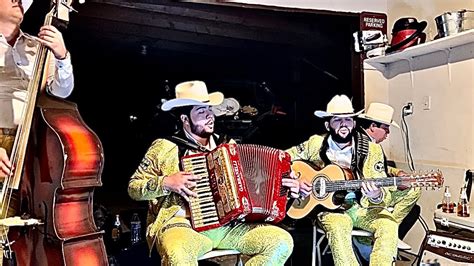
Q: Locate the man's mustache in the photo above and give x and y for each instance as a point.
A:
(345, 128)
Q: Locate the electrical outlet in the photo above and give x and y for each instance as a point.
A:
(408, 109)
(426, 102)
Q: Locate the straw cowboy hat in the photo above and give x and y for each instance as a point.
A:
(192, 93)
(381, 113)
(339, 105)
(26, 4)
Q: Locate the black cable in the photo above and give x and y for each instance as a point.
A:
(406, 141)
(424, 224)
(426, 229)
(407, 136)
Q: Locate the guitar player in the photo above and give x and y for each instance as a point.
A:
(159, 179)
(375, 124)
(365, 159)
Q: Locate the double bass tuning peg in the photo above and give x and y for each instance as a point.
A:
(65, 4)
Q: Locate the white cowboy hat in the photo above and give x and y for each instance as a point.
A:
(381, 113)
(192, 93)
(339, 105)
(26, 4)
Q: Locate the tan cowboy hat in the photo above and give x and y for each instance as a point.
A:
(381, 113)
(26, 4)
(192, 93)
(339, 105)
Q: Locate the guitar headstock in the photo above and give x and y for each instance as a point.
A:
(431, 179)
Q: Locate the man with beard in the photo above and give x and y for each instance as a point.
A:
(160, 180)
(366, 160)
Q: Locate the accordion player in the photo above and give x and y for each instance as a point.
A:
(238, 181)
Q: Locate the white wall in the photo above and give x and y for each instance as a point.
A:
(332, 5)
(442, 137)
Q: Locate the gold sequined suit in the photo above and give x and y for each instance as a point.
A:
(176, 241)
(403, 200)
(366, 215)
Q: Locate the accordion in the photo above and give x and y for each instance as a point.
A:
(238, 181)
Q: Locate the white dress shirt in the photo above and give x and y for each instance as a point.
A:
(16, 67)
(341, 157)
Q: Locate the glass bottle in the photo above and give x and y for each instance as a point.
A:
(135, 229)
(463, 205)
(447, 204)
(116, 230)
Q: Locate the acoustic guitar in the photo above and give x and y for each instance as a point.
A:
(332, 179)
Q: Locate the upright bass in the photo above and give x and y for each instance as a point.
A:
(57, 163)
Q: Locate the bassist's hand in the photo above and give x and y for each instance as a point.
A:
(5, 164)
(52, 38)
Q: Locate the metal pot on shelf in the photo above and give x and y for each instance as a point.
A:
(450, 23)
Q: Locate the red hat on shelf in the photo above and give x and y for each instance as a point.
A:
(407, 32)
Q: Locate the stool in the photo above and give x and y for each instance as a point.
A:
(356, 232)
(222, 252)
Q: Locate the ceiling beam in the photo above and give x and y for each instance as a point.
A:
(203, 23)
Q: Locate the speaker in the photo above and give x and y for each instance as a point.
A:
(447, 249)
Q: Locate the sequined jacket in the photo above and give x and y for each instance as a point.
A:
(161, 159)
(372, 167)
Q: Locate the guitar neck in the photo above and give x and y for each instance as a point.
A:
(356, 184)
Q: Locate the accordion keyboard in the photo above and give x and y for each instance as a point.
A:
(203, 209)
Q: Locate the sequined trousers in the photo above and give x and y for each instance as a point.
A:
(179, 244)
(338, 228)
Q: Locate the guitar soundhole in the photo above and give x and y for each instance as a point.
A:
(319, 187)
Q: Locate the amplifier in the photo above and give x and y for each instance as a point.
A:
(447, 249)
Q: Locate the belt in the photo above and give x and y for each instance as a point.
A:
(8, 131)
(169, 226)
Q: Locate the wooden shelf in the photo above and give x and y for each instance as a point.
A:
(442, 44)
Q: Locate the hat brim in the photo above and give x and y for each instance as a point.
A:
(215, 98)
(392, 123)
(26, 4)
(324, 114)
(422, 25)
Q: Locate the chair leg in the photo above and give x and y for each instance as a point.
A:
(313, 253)
(239, 261)
(326, 250)
(317, 246)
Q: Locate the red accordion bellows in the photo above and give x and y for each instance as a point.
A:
(238, 181)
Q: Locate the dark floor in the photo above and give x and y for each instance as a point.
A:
(124, 254)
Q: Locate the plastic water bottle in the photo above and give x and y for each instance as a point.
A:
(135, 229)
